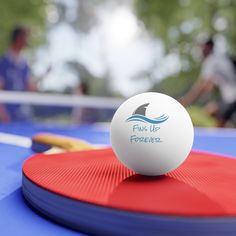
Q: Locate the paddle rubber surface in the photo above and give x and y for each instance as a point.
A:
(203, 186)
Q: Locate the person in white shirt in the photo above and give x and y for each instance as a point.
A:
(217, 71)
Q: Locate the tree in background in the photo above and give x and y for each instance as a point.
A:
(179, 23)
(81, 17)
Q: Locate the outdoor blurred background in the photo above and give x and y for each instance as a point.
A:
(118, 48)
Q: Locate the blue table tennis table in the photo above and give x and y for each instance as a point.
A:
(17, 218)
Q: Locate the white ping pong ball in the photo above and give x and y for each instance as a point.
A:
(151, 133)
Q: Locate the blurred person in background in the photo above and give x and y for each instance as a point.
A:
(217, 72)
(15, 74)
(84, 114)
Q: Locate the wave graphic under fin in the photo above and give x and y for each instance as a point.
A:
(145, 119)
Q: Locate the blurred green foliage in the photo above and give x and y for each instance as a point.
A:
(177, 85)
(31, 13)
(200, 117)
(179, 23)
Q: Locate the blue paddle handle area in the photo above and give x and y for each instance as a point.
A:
(98, 220)
(40, 147)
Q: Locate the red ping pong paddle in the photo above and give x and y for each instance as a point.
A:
(93, 192)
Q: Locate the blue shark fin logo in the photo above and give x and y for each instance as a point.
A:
(140, 115)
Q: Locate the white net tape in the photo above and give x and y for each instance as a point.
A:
(59, 100)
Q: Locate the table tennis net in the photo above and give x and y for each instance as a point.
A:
(58, 108)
